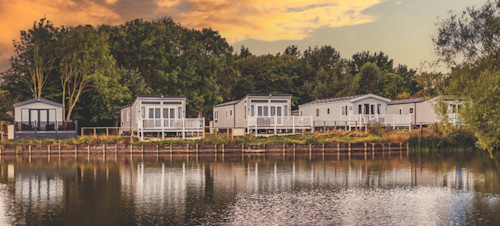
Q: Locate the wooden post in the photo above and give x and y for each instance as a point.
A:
(314, 127)
(338, 147)
(107, 131)
(324, 125)
(323, 148)
(104, 151)
(48, 149)
(157, 148)
(120, 132)
(131, 132)
(81, 134)
(187, 148)
(284, 147)
(142, 149)
(227, 131)
(197, 148)
(345, 128)
(310, 147)
(356, 125)
(373, 147)
(76, 149)
(59, 149)
(171, 149)
(88, 149)
(335, 123)
(95, 131)
(203, 132)
(400, 146)
(215, 148)
(366, 126)
(216, 131)
(29, 149)
(365, 147)
(222, 148)
(349, 148)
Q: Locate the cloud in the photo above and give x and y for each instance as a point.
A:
(20, 14)
(236, 20)
(267, 20)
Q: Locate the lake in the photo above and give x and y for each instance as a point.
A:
(459, 188)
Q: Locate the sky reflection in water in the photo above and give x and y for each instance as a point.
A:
(462, 188)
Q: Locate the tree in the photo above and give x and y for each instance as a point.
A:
(381, 60)
(468, 43)
(394, 85)
(135, 83)
(34, 54)
(369, 79)
(469, 36)
(87, 64)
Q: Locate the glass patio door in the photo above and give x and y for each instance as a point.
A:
(169, 117)
(154, 117)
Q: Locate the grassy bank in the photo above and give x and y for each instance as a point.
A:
(318, 137)
(440, 138)
(431, 138)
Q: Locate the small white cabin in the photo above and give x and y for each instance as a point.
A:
(422, 110)
(159, 116)
(259, 112)
(351, 111)
(40, 118)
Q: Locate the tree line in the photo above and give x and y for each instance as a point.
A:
(93, 71)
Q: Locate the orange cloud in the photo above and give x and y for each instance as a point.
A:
(17, 15)
(235, 19)
(267, 20)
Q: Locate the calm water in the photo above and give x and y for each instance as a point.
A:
(459, 188)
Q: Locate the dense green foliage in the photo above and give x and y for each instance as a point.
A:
(95, 70)
(468, 43)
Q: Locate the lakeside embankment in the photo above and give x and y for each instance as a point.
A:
(433, 138)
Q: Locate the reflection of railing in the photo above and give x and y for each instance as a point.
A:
(35, 126)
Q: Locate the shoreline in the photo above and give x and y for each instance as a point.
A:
(120, 149)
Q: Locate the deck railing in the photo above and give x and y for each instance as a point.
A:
(55, 126)
(281, 122)
(394, 120)
(189, 124)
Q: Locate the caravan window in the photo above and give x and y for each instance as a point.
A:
(411, 110)
(379, 106)
(360, 109)
(317, 112)
(216, 116)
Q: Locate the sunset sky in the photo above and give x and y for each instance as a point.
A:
(403, 29)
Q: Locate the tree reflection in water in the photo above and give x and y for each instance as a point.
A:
(462, 187)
